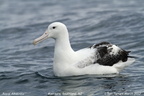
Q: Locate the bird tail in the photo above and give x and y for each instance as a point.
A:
(121, 65)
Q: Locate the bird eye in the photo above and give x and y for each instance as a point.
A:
(54, 27)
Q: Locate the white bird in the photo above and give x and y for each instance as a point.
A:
(101, 58)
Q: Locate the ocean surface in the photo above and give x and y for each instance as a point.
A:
(26, 70)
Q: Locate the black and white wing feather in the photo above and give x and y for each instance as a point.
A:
(108, 54)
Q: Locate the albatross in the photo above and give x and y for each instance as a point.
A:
(101, 58)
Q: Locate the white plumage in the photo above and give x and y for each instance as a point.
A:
(101, 58)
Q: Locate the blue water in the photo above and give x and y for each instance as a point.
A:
(26, 70)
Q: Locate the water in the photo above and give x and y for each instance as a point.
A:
(26, 70)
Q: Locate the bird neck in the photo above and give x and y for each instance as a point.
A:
(63, 52)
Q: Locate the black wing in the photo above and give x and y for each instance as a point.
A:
(106, 56)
